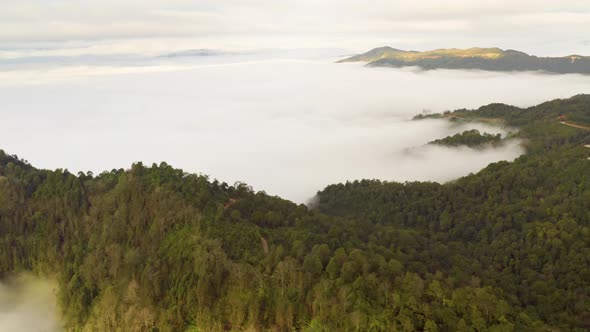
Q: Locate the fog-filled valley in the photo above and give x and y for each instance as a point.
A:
(286, 126)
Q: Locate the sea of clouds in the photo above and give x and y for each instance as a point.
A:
(286, 122)
(281, 122)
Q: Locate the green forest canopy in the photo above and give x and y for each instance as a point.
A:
(471, 138)
(154, 248)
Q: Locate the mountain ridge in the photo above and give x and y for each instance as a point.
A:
(490, 59)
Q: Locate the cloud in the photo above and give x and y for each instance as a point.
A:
(299, 23)
(283, 126)
(28, 304)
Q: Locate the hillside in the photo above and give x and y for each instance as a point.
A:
(491, 59)
(153, 248)
(470, 138)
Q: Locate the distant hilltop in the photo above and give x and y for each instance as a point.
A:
(492, 59)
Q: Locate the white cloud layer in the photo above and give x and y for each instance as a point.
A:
(540, 26)
(287, 127)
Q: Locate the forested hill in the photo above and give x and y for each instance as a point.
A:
(492, 59)
(153, 248)
(471, 138)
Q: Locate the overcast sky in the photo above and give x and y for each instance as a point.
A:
(544, 27)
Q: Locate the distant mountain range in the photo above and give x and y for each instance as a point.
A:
(197, 53)
(492, 59)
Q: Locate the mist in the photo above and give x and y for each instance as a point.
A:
(28, 304)
(286, 126)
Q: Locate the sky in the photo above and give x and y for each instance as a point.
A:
(541, 27)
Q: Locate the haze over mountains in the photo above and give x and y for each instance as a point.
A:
(492, 59)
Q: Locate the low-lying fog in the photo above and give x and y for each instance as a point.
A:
(289, 127)
(28, 304)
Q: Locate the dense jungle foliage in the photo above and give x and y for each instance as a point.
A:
(153, 248)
